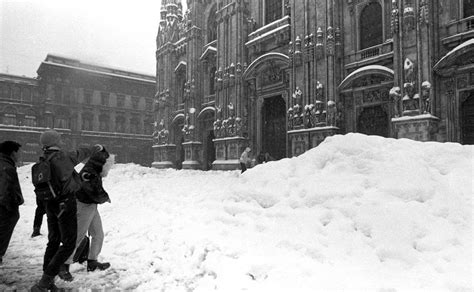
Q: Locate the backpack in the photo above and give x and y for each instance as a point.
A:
(45, 182)
(82, 251)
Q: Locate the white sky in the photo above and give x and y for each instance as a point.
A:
(357, 213)
(114, 33)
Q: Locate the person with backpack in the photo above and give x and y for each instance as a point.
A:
(89, 196)
(56, 184)
(10, 193)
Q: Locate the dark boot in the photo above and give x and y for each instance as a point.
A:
(92, 265)
(45, 283)
(64, 273)
(36, 232)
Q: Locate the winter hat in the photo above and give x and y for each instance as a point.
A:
(50, 138)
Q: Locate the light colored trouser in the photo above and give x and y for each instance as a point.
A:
(88, 220)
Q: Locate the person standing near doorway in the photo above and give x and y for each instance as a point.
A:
(244, 159)
(10, 193)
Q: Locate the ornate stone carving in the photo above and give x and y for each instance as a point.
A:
(394, 17)
(409, 18)
(424, 13)
(319, 43)
(160, 134)
(330, 41)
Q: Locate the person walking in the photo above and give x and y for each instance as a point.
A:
(60, 211)
(90, 195)
(10, 193)
(38, 221)
(244, 159)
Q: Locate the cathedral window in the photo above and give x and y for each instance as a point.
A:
(212, 75)
(9, 116)
(468, 8)
(30, 119)
(212, 26)
(135, 101)
(273, 10)
(371, 26)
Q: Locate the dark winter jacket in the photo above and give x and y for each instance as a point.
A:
(63, 164)
(10, 191)
(92, 190)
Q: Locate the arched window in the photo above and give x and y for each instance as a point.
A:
(27, 94)
(87, 119)
(148, 125)
(9, 116)
(134, 126)
(30, 119)
(120, 124)
(468, 8)
(273, 10)
(62, 122)
(371, 25)
(212, 26)
(104, 123)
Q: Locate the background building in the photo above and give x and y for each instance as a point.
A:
(280, 76)
(88, 104)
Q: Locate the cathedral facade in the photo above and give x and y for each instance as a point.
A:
(280, 76)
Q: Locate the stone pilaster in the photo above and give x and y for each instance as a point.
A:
(419, 128)
(164, 156)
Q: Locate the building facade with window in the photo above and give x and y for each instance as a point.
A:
(88, 104)
(280, 76)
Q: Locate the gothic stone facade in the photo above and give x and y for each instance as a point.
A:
(280, 76)
(88, 104)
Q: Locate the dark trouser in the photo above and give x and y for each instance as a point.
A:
(8, 220)
(243, 167)
(62, 228)
(40, 211)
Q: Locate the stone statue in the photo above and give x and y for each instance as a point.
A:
(395, 95)
(331, 113)
(425, 97)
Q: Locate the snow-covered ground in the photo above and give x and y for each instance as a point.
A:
(357, 213)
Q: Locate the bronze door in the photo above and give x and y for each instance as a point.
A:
(373, 121)
(274, 127)
(467, 120)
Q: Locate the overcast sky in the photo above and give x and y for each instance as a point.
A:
(112, 33)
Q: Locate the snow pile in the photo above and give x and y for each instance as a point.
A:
(357, 213)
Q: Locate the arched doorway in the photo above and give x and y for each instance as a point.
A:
(274, 126)
(210, 150)
(373, 120)
(467, 120)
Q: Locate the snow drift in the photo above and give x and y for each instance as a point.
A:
(357, 213)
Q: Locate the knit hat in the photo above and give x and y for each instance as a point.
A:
(50, 138)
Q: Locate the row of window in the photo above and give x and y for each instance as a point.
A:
(63, 96)
(15, 92)
(64, 122)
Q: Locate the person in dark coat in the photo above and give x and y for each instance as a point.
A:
(10, 193)
(90, 195)
(61, 212)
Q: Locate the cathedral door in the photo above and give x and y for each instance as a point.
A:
(373, 120)
(274, 127)
(467, 120)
